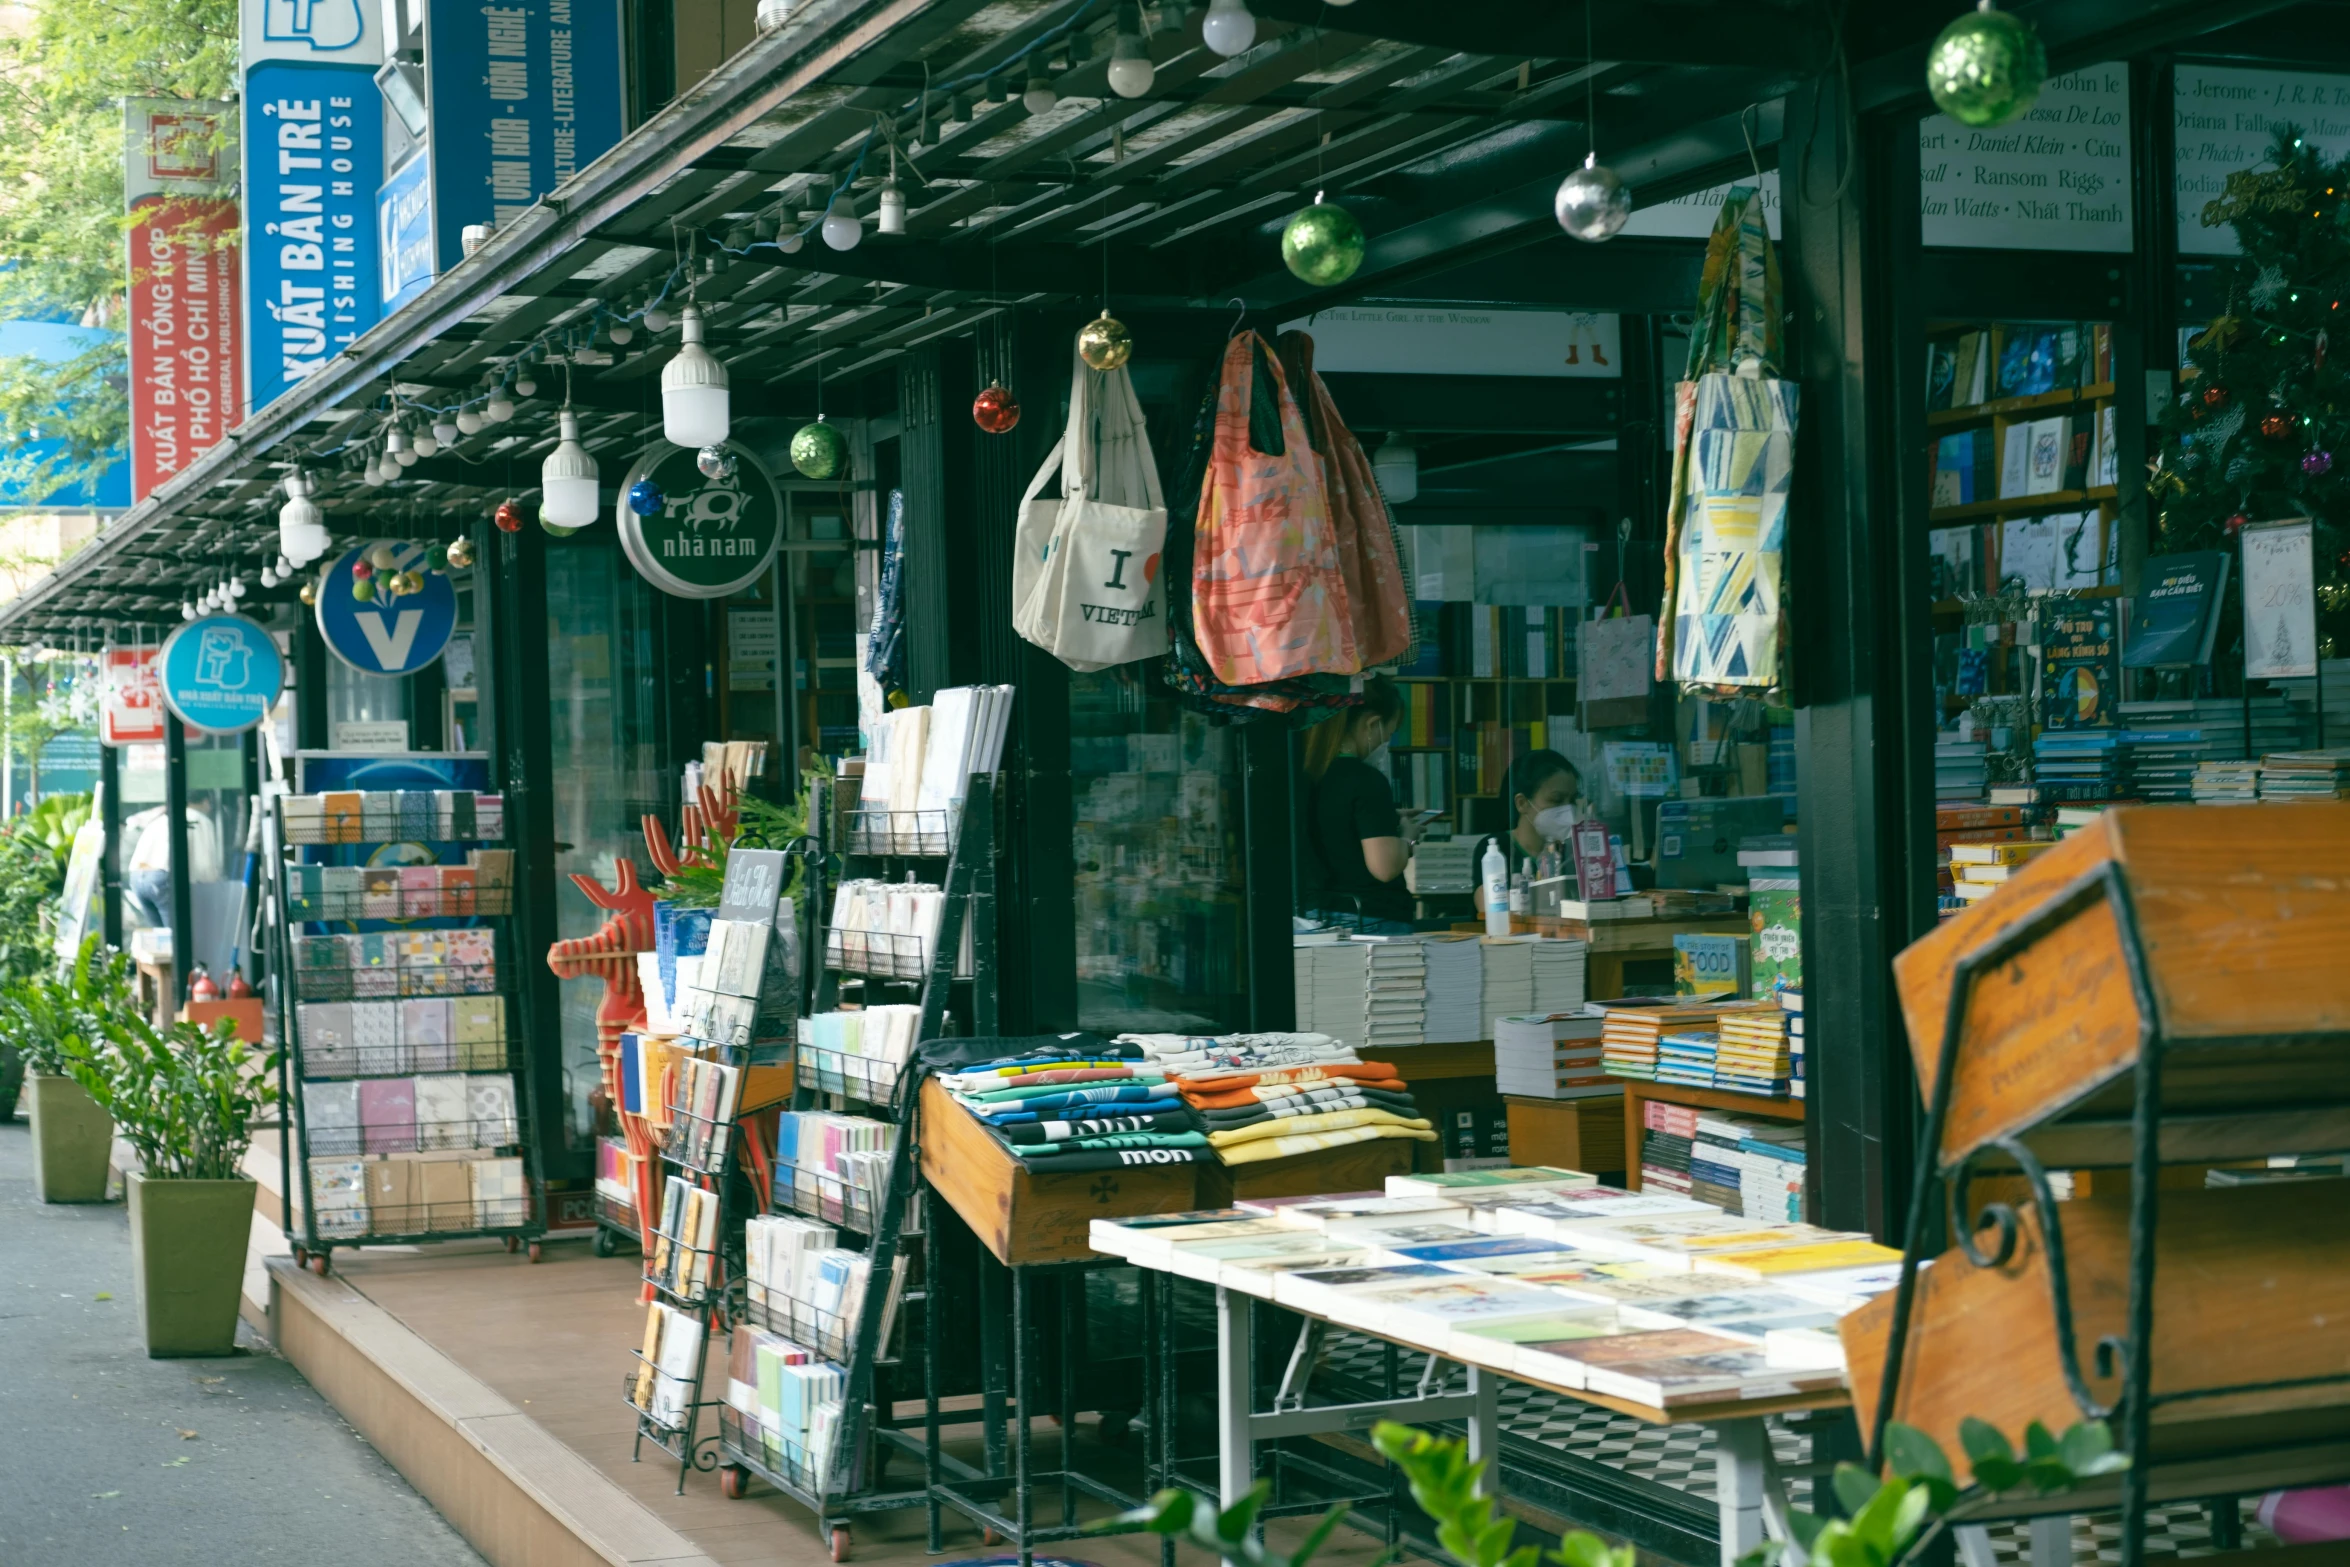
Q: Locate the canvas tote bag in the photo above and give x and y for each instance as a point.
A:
(1094, 595)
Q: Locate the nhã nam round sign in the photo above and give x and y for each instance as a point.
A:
(708, 537)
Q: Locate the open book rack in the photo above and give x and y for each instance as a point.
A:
(2112, 1022)
(296, 908)
(669, 1259)
(875, 843)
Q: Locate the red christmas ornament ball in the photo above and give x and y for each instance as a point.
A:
(2276, 426)
(2236, 524)
(361, 571)
(508, 517)
(2215, 395)
(995, 410)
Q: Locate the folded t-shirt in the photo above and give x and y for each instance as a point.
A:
(1288, 1143)
(1028, 1116)
(1227, 1082)
(1065, 1131)
(1080, 1159)
(1116, 1140)
(1328, 1121)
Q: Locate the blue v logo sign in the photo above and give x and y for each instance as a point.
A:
(328, 26)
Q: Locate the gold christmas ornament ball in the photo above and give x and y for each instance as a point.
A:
(1105, 344)
(309, 594)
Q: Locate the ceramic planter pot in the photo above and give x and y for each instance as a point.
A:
(72, 1138)
(188, 1244)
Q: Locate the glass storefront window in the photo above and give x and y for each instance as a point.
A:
(603, 719)
(1159, 878)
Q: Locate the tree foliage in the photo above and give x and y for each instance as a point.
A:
(63, 245)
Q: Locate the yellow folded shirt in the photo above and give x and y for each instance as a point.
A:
(1307, 1142)
(1327, 1121)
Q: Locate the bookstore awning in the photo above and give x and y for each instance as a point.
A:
(1026, 181)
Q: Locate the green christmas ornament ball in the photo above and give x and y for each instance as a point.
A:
(1323, 244)
(1987, 68)
(555, 528)
(817, 451)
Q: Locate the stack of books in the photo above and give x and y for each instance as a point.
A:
(1333, 976)
(1791, 1003)
(1456, 982)
(2227, 783)
(1959, 768)
(1629, 1033)
(1395, 1002)
(1770, 1165)
(1687, 1057)
(2077, 764)
(1667, 1133)
(2306, 775)
(1980, 869)
(1559, 969)
(1552, 1055)
(1508, 984)
(1754, 1056)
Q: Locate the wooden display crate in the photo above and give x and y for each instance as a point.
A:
(1569, 1134)
(1026, 1217)
(2244, 917)
(1355, 1167)
(2249, 1288)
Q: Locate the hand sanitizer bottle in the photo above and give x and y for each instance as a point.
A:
(1496, 870)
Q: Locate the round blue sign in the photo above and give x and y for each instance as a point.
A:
(385, 635)
(221, 674)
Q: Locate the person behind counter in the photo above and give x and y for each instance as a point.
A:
(1356, 840)
(1538, 784)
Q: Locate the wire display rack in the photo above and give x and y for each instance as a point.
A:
(408, 1075)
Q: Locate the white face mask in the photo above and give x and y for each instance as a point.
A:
(1378, 759)
(1556, 824)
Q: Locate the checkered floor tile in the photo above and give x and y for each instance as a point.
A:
(1682, 1457)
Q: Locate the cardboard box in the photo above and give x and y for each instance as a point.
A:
(392, 1198)
(446, 1187)
(244, 1013)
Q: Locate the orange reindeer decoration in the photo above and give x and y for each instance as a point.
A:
(610, 955)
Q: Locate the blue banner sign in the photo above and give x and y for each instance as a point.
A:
(221, 674)
(523, 94)
(387, 636)
(313, 162)
(403, 218)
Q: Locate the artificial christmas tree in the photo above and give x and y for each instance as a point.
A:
(2253, 435)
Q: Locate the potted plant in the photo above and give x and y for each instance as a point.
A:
(51, 1023)
(185, 1098)
(32, 872)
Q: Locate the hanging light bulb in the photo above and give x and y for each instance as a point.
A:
(772, 16)
(693, 391)
(1396, 468)
(500, 408)
(468, 421)
(1038, 96)
(284, 569)
(445, 431)
(656, 319)
(1131, 71)
(268, 577)
(620, 332)
(526, 384)
(373, 473)
(893, 209)
(187, 610)
(424, 443)
(841, 228)
(1229, 27)
(567, 479)
(396, 446)
(790, 241)
(237, 588)
(301, 526)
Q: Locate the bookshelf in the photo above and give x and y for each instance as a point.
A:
(1491, 683)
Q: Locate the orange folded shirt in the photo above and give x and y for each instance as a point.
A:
(1235, 1097)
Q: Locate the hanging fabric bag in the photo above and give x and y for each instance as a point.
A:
(1369, 560)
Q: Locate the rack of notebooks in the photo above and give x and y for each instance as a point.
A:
(2159, 990)
(411, 1111)
(695, 1081)
(1649, 1305)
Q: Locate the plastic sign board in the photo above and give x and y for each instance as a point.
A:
(521, 95)
(386, 636)
(221, 674)
(2056, 179)
(185, 325)
(710, 537)
(130, 700)
(2225, 120)
(403, 231)
(313, 161)
(2280, 601)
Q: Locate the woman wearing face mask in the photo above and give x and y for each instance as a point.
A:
(1356, 840)
(1539, 783)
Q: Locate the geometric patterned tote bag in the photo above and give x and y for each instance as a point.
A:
(1732, 560)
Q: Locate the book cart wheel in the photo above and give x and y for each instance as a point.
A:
(606, 1243)
(990, 1537)
(841, 1544)
(301, 1257)
(734, 1482)
(318, 1263)
(513, 1245)
(534, 1251)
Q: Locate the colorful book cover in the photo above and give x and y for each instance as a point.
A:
(1775, 907)
(2080, 666)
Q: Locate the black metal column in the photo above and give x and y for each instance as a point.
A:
(312, 731)
(925, 577)
(2146, 343)
(1861, 636)
(175, 810)
(110, 855)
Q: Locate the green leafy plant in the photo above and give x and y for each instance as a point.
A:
(759, 823)
(1890, 1520)
(1443, 1481)
(31, 878)
(54, 1021)
(184, 1097)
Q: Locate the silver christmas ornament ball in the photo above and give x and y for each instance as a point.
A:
(715, 462)
(1592, 203)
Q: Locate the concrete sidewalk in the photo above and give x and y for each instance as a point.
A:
(107, 1456)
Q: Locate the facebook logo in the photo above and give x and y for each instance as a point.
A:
(327, 26)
